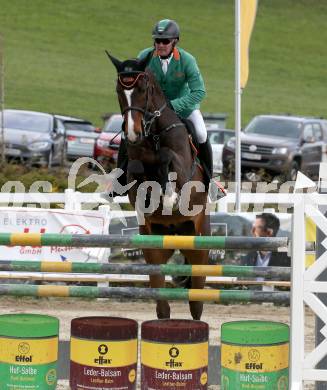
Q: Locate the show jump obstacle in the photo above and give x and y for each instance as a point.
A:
(283, 273)
(139, 241)
(304, 281)
(142, 241)
(305, 286)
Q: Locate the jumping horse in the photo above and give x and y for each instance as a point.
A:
(160, 150)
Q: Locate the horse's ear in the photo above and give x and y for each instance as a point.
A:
(144, 61)
(115, 61)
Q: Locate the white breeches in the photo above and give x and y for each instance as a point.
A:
(200, 128)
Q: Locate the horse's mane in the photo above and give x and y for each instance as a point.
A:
(156, 84)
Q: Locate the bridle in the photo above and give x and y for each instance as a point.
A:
(128, 80)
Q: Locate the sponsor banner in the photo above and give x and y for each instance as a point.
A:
(31, 220)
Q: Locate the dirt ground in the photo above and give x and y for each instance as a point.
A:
(214, 315)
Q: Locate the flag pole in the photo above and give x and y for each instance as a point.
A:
(2, 102)
(238, 93)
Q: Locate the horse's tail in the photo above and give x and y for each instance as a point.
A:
(182, 281)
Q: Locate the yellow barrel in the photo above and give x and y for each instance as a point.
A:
(103, 353)
(174, 355)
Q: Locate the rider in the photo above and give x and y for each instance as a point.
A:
(180, 79)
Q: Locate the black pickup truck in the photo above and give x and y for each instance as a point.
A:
(278, 146)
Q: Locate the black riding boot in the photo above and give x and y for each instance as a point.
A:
(122, 163)
(205, 157)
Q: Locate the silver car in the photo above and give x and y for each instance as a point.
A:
(32, 136)
(81, 136)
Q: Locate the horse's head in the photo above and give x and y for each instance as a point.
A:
(135, 96)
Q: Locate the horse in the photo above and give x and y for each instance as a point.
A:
(160, 151)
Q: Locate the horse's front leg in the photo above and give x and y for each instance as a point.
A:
(165, 158)
(196, 308)
(158, 256)
(202, 227)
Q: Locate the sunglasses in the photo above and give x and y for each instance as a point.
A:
(164, 41)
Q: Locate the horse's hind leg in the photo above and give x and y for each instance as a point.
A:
(196, 308)
(159, 256)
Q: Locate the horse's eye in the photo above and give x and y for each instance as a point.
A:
(142, 89)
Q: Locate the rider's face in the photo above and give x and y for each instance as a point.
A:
(164, 47)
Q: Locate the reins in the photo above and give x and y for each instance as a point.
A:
(148, 116)
(128, 82)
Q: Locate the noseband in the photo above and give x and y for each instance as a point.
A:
(128, 81)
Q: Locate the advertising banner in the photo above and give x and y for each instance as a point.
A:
(32, 220)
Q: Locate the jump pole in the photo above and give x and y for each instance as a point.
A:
(144, 241)
(172, 294)
(283, 273)
(101, 278)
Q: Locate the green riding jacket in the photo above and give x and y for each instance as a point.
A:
(183, 84)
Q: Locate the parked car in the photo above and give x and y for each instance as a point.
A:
(32, 136)
(80, 136)
(218, 137)
(107, 145)
(278, 145)
(216, 118)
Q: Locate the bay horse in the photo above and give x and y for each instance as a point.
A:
(160, 151)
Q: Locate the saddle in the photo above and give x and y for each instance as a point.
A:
(191, 131)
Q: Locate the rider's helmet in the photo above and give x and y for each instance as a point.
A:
(166, 28)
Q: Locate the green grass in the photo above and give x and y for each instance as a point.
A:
(55, 61)
(29, 176)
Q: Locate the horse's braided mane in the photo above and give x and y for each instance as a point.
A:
(155, 84)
